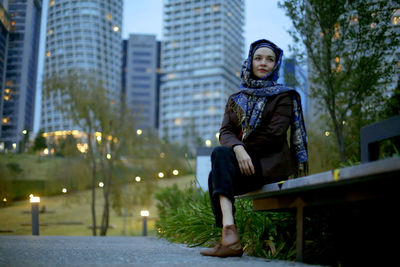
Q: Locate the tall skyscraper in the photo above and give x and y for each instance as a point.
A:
(19, 54)
(83, 36)
(141, 85)
(201, 57)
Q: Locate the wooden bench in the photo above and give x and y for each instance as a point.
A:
(369, 181)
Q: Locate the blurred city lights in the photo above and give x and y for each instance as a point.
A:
(175, 172)
(138, 179)
(327, 133)
(46, 151)
(4, 199)
(161, 175)
(108, 156)
(139, 131)
(24, 131)
(101, 184)
(14, 145)
(217, 135)
(162, 155)
(64, 190)
(98, 138)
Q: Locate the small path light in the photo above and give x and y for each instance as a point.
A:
(160, 175)
(64, 190)
(175, 172)
(138, 179)
(101, 184)
(144, 214)
(35, 213)
(208, 143)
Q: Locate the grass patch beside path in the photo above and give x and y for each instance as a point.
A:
(64, 212)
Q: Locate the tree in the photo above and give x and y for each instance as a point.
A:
(106, 125)
(40, 141)
(350, 47)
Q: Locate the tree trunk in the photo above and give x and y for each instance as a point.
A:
(94, 170)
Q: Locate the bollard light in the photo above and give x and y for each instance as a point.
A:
(144, 214)
(35, 213)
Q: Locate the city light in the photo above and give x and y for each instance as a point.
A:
(162, 155)
(208, 143)
(175, 172)
(4, 199)
(34, 199)
(46, 151)
(139, 131)
(161, 175)
(101, 184)
(108, 156)
(24, 132)
(138, 179)
(144, 213)
(14, 145)
(98, 138)
(217, 135)
(64, 190)
(116, 28)
(327, 133)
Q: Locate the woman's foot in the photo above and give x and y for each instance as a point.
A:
(228, 247)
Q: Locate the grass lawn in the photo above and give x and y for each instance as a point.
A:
(70, 214)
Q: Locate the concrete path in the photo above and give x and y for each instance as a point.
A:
(113, 251)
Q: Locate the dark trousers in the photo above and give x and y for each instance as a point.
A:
(226, 179)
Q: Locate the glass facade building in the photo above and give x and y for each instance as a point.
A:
(201, 57)
(82, 35)
(142, 78)
(19, 80)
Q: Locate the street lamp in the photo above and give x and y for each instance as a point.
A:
(175, 172)
(101, 184)
(160, 175)
(144, 214)
(138, 179)
(35, 213)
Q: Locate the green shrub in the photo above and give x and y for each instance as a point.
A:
(185, 216)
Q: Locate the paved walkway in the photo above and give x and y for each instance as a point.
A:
(113, 251)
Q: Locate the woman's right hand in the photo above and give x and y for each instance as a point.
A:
(245, 164)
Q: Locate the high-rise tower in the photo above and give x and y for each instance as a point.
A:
(19, 59)
(82, 35)
(141, 79)
(201, 57)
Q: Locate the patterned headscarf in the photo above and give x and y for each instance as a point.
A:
(250, 102)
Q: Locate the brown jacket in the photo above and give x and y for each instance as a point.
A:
(268, 142)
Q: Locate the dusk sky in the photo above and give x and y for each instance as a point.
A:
(263, 20)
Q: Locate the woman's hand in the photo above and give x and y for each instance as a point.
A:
(244, 160)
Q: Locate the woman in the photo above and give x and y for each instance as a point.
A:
(254, 147)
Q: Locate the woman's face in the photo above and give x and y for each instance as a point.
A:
(263, 62)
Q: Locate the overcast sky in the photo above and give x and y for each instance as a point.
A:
(263, 20)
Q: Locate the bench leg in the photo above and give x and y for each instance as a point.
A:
(299, 233)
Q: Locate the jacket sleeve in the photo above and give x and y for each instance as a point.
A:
(230, 130)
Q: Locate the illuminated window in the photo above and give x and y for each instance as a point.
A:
(216, 7)
(52, 2)
(337, 60)
(396, 20)
(337, 31)
(48, 53)
(396, 17)
(6, 97)
(109, 17)
(353, 20)
(5, 120)
(116, 28)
